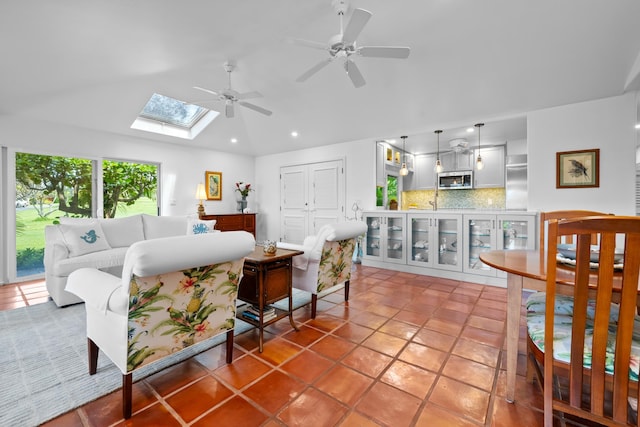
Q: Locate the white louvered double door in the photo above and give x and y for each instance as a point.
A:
(311, 195)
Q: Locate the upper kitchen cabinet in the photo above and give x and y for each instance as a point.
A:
(457, 161)
(423, 176)
(380, 169)
(492, 175)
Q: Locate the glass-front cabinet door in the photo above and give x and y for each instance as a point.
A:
(480, 235)
(516, 232)
(446, 241)
(385, 240)
(395, 227)
(419, 237)
(374, 237)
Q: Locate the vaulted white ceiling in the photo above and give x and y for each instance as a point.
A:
(94, 64)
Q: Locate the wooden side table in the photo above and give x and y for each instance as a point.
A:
(267, 279)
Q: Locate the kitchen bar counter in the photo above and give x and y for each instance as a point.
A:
(446, 242)
(456, 210)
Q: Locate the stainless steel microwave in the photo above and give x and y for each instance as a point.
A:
(458, 180)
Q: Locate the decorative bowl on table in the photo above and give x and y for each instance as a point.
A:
(568, 250)
(269, 247)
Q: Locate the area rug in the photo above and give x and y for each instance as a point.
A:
(43, 362)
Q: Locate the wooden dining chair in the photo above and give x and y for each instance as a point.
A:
(587, 344)
(545, 217)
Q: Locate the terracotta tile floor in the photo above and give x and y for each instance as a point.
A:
(406, 350)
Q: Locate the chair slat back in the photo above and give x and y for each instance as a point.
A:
(545, 217)
(611, 322)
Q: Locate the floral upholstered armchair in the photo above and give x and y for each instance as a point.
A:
(327, 260)
(174, 292)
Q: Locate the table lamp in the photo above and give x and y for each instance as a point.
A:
(201, 195)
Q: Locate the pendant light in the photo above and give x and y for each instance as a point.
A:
(479, 162)
(403, 170)
(438, 167)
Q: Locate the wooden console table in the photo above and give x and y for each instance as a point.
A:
(267, 279)
(233, 222)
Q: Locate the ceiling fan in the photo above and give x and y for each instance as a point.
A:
(459, 145)
(343, 45)
(230, 96)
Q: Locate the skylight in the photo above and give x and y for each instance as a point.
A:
(169, 116)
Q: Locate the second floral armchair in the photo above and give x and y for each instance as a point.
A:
(327, 260)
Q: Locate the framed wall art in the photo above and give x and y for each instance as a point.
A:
(213, 185)
(578, 169)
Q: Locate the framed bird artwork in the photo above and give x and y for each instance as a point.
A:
(578, 169)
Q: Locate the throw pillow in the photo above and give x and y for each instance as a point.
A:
(156, 227)
(84, 238)
(123, 232)
(198, 226)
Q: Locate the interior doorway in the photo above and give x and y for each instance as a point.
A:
(311, 195)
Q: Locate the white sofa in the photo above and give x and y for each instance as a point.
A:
(102, 243)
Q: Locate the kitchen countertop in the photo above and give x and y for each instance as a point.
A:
(455, 210)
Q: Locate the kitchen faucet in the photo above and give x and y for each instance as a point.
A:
(434, 202)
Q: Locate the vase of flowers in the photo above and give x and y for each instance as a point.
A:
(243, 190)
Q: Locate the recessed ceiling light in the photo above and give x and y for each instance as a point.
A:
(391, 141)
(638, 126)
(234, 140)
(294, 134)
(469, 130)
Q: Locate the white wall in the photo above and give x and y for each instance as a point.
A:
(607, 124)
(359, 161)
(182, 169)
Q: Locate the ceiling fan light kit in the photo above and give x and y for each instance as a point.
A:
(343, 45)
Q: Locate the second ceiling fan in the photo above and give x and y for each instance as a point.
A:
(230, 96)
(343, 45)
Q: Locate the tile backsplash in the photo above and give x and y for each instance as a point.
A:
(482, 198)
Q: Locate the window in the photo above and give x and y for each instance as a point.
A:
(129, 188)
(49, 187)
(169, 116)
(52, 186)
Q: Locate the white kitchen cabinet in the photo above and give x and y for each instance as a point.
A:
(445, 243)
(486, 232)
(480, 236)
(419, 239)
(492, 175)
(424, 175)
(381, 176)
(447, 238)
(457, 161)
(434, 241)
(517, 231)
(385, 238)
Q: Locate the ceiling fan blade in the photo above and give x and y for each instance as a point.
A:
(359, 19)
(255, 108)
(249, 95)
(201, 102)
(354, 73)
(309, 43)
(228, 110)
(207, 90)
(314, 69)
(384, 51)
